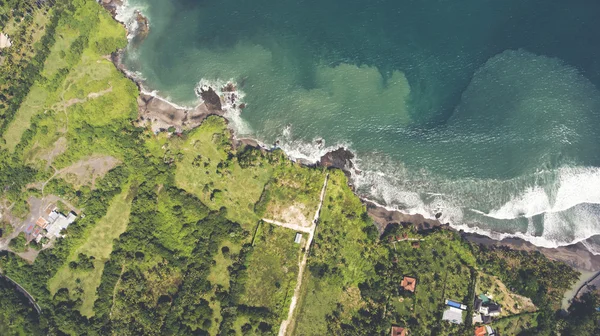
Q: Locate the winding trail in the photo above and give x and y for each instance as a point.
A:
(302, 265)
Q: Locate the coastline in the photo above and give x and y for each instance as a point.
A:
(163, 114)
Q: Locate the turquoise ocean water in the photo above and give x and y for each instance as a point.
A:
(487, 111)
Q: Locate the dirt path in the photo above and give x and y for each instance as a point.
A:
(294, 227)
(302, 266)
(115, 290)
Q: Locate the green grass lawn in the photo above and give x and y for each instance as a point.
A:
(319, 299)
(206, 171)
(219, 275)
(513, 325)
(34, 103)
(441, 274)
(272, 270)
(77, 90)
(99, 243)
(65, 35)
(292, 195)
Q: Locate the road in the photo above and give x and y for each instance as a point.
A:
(26, 293)
(302, 264)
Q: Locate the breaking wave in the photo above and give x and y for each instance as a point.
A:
(127, 14)
(232, 102)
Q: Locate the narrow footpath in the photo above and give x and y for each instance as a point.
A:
(302, 266)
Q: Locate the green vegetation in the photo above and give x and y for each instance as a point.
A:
(18, 243)
(208, 169)
(31, 29)
(516, 324)
(272, 269)
(170, 240)
(292, 194)
(6, 229)
(17, 315)
(344, 258)
(510, 302)
(83, 270)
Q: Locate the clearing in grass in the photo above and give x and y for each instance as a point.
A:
(82, 273)
(208, 168)
(292, 195)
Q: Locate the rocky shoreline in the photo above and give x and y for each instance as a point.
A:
(163, 115)
(575, 255)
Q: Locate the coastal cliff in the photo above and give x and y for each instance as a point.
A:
(161, 115)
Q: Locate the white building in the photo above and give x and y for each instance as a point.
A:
(491, 310)
(59, 222)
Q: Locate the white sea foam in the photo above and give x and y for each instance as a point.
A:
(574, 185)
(167, 100)
(310, 152)
(566, 218)
(533, 201)
(566, 222)
(127, 15)
(231, 100)
(564, 200)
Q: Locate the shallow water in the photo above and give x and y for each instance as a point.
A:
(484, 110)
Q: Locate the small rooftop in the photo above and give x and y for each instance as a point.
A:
(399, 331)
(480, 331)
(409, 283)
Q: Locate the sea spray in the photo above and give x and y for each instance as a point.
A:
(128, 14)
(472, 127)
(232, 101)
(439, 204)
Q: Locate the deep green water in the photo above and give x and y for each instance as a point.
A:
(487, 111)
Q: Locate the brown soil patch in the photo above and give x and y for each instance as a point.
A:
(510, 302)
(294, 214)
(85, 172)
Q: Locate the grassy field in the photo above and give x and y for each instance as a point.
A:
(341, 258)
(206, 171)
(80, 88)
(292, 195)
(272, 269)
(219, 275)
(437, 264)
(513, 325)
(99, 243)
(26, 35)
(319, 299)
(510, 302)
(33, 104)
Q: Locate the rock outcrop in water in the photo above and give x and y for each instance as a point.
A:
(112, 6)
(340, 158)
(210, 98)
